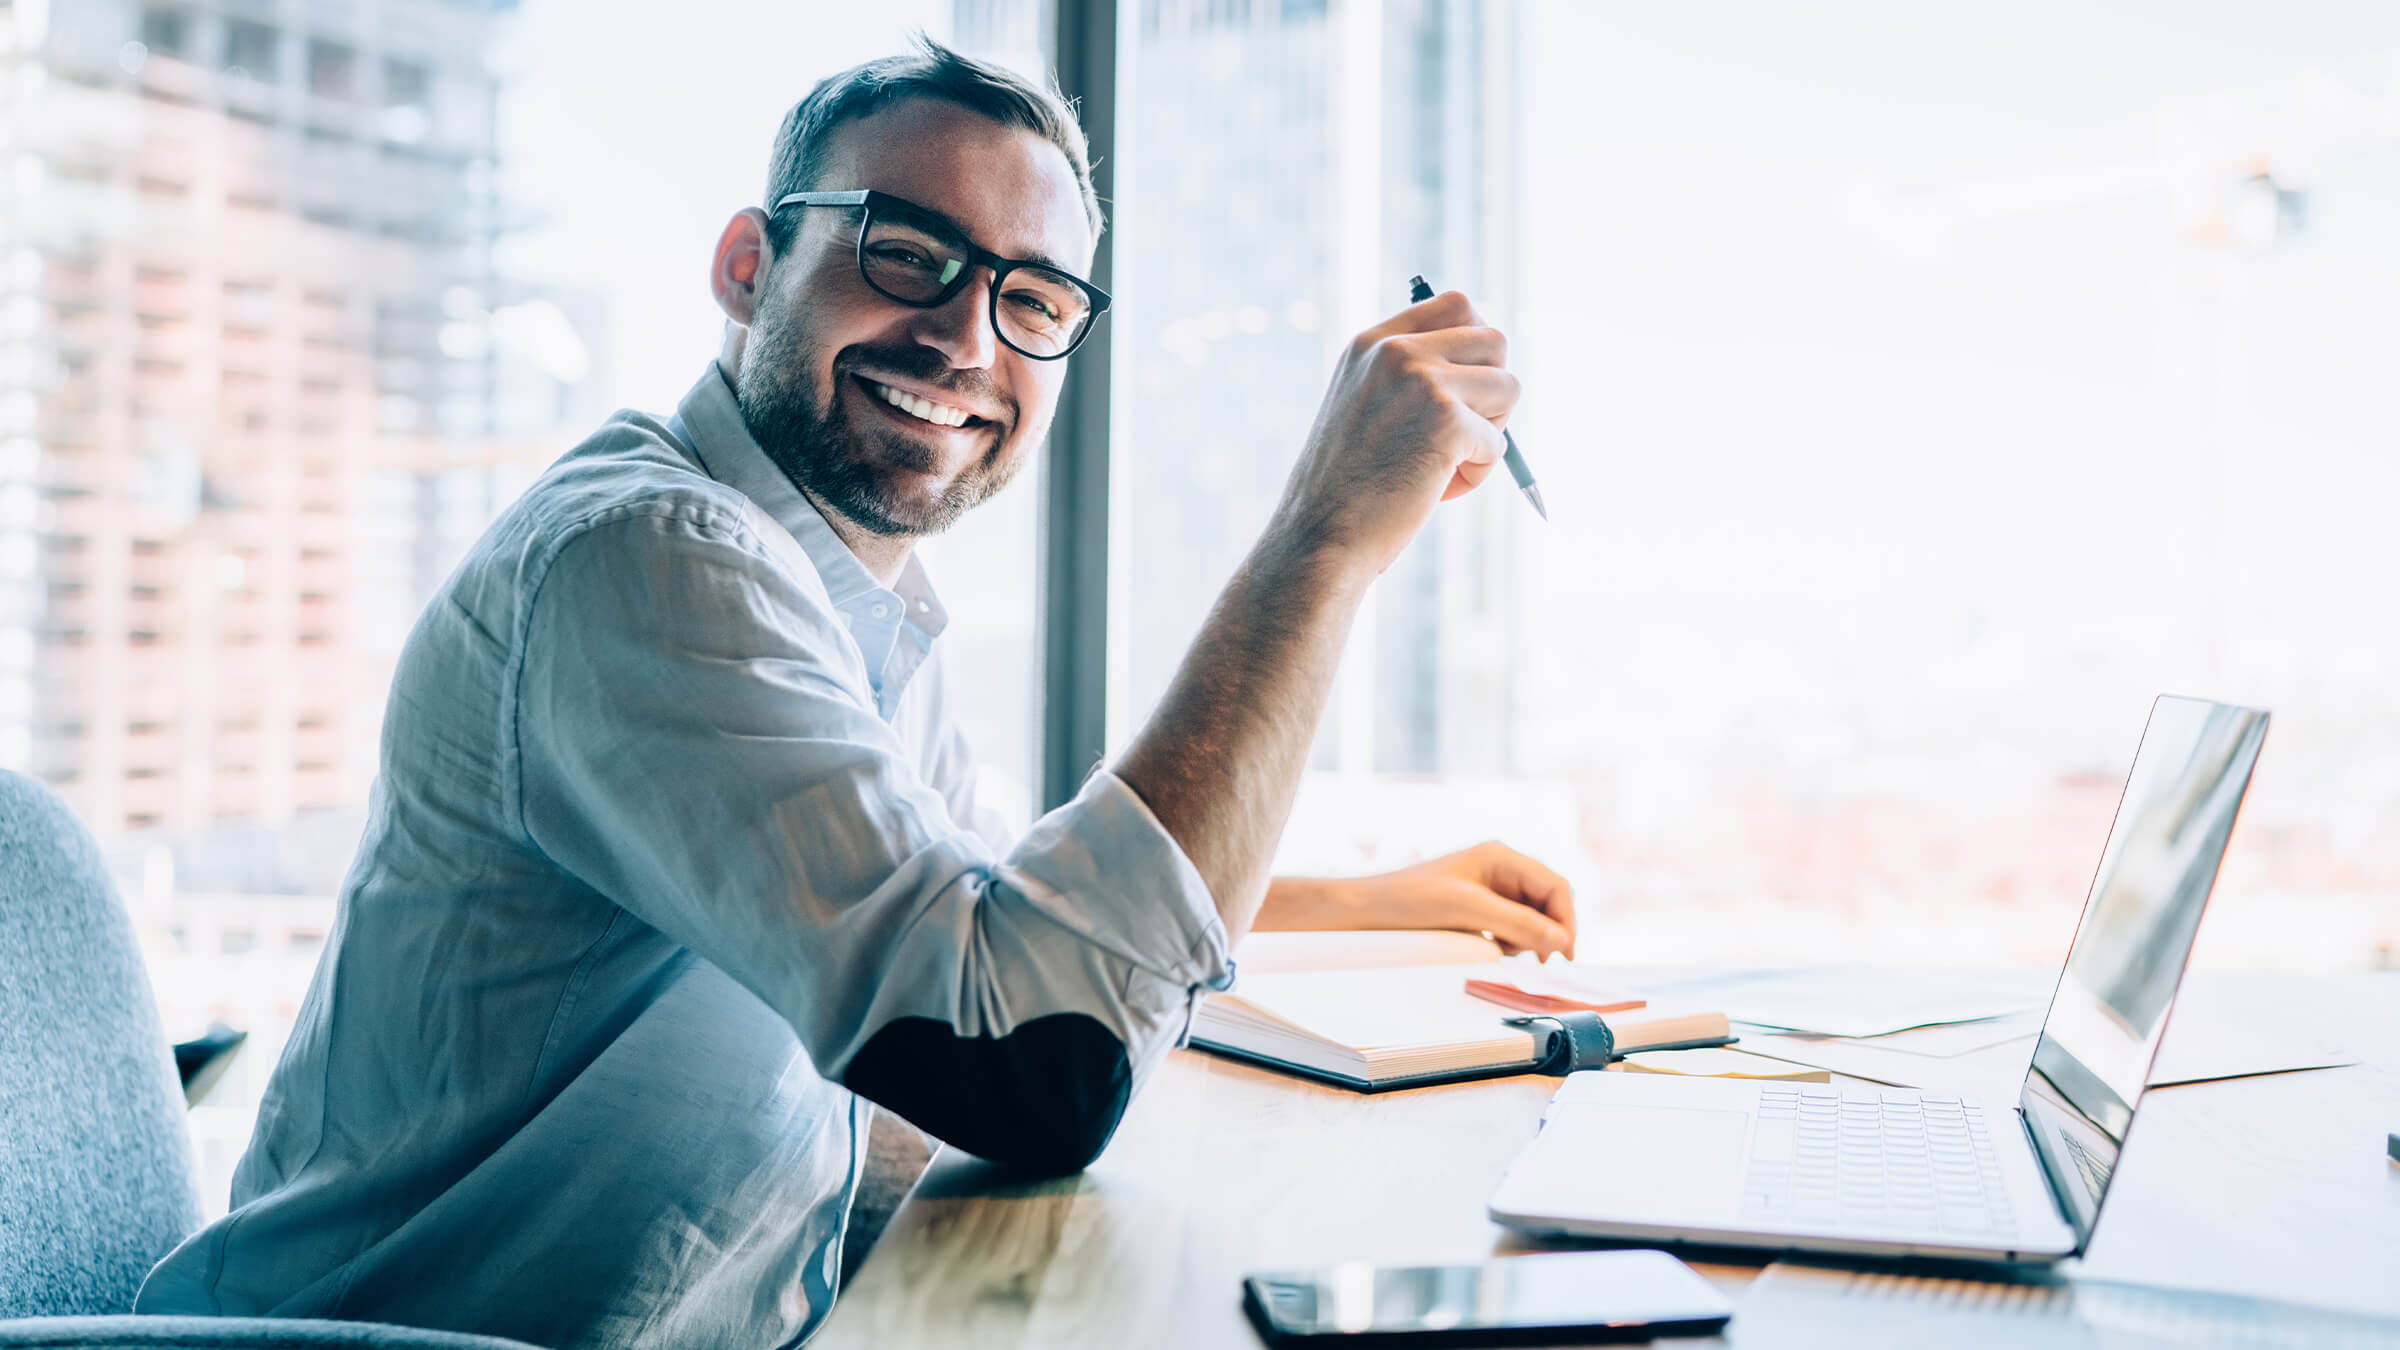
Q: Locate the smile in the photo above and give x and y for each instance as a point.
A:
(923, 409)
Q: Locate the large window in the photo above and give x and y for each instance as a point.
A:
(1915, 395)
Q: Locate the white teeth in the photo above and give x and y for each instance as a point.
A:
(919, 407)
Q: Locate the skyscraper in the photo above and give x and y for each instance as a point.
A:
(259, 383)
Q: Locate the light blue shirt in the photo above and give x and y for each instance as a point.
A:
(672, 839)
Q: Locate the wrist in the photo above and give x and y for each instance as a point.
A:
(1341, 900)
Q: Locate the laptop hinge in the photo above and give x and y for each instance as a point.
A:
(2050, 1186)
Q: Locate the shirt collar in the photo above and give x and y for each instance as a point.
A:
(729, 454)
(709, 422)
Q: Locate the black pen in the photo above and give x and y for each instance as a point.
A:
(1419, 293)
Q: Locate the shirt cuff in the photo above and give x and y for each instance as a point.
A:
(1104, 867)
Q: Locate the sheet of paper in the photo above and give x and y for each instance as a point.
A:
(1953, 1039)
(1995, 1072)
(1262, 953)
(2208, 1040)
(1719, 1062)
(1869, 1000)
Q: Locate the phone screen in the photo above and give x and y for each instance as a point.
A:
(1617, 1290)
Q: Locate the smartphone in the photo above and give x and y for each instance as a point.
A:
(1575, 1298)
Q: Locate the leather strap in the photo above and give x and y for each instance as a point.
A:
(1582, 1041)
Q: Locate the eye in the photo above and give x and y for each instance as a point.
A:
(1035, 305)
(901, 255)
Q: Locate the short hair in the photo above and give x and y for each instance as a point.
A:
(930, 70)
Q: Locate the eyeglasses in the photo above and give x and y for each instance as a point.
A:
(920, 258)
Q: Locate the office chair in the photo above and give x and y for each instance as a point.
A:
(96, 1176)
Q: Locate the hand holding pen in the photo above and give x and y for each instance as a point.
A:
(1419, 293)
(1411, 418)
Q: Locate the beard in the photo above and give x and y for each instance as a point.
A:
(860, 471)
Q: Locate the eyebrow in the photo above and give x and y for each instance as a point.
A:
(926, 215)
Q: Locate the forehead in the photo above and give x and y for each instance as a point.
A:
(1010, 188)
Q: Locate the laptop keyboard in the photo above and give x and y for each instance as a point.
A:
(1889, 1161)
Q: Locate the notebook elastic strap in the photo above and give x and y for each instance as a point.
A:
(1582, 1041)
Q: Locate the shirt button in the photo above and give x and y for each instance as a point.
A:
(881, 610)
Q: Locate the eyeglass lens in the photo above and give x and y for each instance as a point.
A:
(1039, 311)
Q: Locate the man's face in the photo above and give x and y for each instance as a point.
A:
(826, 354)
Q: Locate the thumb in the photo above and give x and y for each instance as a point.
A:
(1467, 478)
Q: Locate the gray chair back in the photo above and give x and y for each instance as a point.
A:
(96, 1179)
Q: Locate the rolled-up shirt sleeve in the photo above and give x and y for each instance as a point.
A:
(694, 740)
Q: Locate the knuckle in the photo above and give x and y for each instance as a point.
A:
(1406, 370)
(1387, 356)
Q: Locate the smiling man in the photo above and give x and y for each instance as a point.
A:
(674, 864)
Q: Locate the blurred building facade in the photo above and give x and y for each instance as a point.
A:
(1291, 166)
(260, 386)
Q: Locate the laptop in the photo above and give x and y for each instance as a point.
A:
(1893, 1172)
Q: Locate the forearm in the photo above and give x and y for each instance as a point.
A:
(1219, 761)
(1305, 904)
(1411, 417)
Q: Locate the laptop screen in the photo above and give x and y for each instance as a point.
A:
(2110, 1011)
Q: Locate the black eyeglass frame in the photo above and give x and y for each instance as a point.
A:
(977, 256)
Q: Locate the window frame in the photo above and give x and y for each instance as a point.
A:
(1071, 612)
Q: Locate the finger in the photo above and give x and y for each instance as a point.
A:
(1514, 926)
(1520, 878)
(1447, 311)
(1481, 443)
(1474, 345)
(1467, 478)
(1490, 391)
(1478, 450)
(1450, 309)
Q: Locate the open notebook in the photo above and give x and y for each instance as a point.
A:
(1405, 1026)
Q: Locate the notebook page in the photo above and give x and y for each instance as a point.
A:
(1409, 1007)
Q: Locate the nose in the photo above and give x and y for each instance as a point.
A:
(960, 328)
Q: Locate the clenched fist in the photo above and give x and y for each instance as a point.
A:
(1412, 418)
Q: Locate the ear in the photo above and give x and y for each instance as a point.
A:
(739, 270)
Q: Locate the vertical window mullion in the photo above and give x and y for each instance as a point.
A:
(1075, 473)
